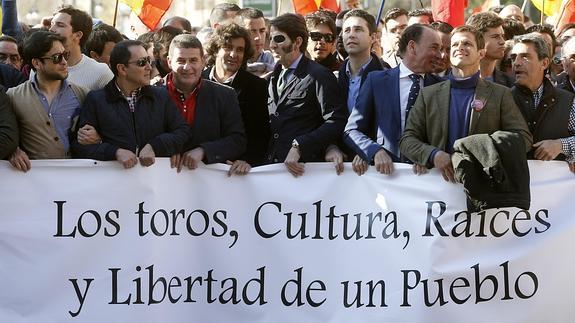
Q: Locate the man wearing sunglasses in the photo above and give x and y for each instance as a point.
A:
(321, 43)
(307, 111)
(46, 105)
(137, 122)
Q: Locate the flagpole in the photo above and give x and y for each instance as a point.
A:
(115, 14)
(542, 11)
(379, 13)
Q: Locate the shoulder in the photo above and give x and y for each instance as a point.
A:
(250, 79)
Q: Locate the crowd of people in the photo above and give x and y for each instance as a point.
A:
(327, 87)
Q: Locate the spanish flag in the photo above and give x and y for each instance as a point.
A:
(304, 7)
(566, 14)
(150, 12)
(449, 11)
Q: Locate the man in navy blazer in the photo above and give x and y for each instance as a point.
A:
(307, 112)
(378, 119)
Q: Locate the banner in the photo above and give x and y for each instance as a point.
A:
(86, 241)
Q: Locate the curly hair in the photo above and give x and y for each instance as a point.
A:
(222, 36)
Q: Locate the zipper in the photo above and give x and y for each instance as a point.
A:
(135, 132)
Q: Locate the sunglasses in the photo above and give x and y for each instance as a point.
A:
(142, 61)
(317, 36)
(278, 39)
(57, 58)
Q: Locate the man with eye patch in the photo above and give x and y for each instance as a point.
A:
(135, 121)
(322, 37)
(46, 105)
(307, 111)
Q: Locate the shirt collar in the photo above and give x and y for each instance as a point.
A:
(296, 62)
(34, 82)
(227, 81)
(404, 71)
(134, 93)
(361, 69)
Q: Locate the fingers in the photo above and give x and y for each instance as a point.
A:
(129, 162)
(295, 168)
(572, 167)
(448, 174)
(385, 167)
(338, 166)
(239, 167)
(359, 165)
(147, 161)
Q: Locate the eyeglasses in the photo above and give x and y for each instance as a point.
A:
(278, 39)
(142, 61)
(5, 57)
(317, 36)
(57, 58)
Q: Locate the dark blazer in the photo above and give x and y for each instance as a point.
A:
(8, 126)
(428, 124)
(310, 110)
(375, 122)
(563, 82)
(10, 77)
(252, 93)
(343, 80)
(218, 126)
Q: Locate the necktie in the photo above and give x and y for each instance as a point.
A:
(413, 93)
(283, 79)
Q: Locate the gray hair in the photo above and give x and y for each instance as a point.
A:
(540, 45)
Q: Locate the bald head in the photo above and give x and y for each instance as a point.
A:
(512, 12)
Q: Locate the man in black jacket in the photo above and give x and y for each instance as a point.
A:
(228, 51)
(8, 126)
(549, 112)
(134, 120)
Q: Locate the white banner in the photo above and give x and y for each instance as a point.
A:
(85, 241)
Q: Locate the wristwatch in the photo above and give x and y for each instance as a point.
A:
(295, 144)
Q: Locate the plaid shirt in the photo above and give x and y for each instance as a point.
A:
(568, 143)
(132, 98)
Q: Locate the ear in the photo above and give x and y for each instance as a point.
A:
(78, 35)
(36, 63)
(94, 55)
(298, 41)
(411, 47)
(545, 63)
(122, 69)
(482, 53)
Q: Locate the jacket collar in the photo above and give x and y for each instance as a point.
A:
(113, 94)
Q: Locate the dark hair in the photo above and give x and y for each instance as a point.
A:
(369, 19)
(564, 28)
(442, 27)
(421, 12)
(250, 13)
(121, 54)
(223, 36)
(102, 34)
(220, 12)
(163, 37)
(544, 29)
(341, 14)
(8, 39)
(185, 41)
(393, 13)
(320, 17)
(37, 44)
(294, 26)
(484, 20)
(479, 40)
(180, 20)
(540, 45)
(79, 20)
(412, 32)
(512, 28)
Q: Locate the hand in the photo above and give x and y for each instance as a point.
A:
(87, 135)
(334, 155)
(126, 157)
(419, 169)
(292, 162)
(442, 161)
(572, 167)
(19, 160)
(548, 149)
(193, 157)
(238, 167)
(359, 165)
(383, 163)
(147, 155)
(176, 162)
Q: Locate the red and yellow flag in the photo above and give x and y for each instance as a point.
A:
(303, 7)
(566, 14)
(150, 12)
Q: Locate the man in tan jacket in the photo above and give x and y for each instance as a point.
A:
(46, 105)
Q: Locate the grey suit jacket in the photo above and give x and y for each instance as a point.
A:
(428, 125)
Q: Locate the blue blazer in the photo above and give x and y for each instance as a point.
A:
(375, 121)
